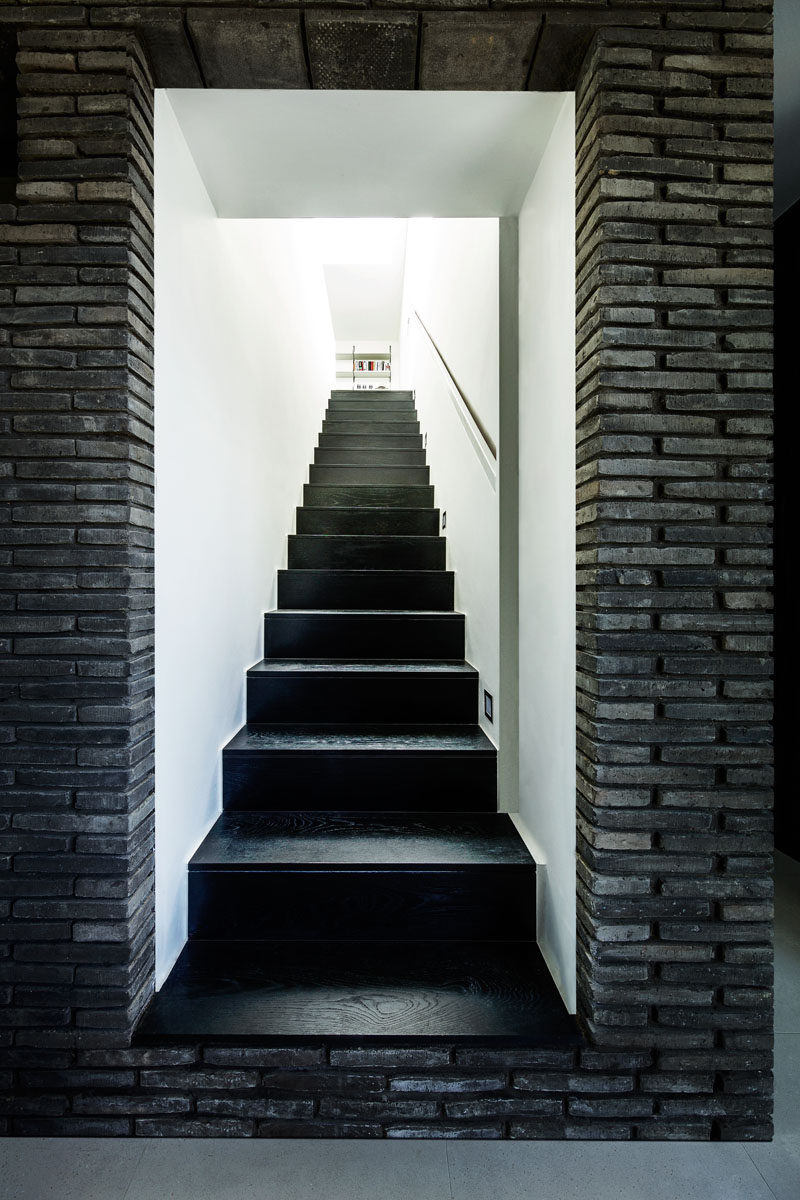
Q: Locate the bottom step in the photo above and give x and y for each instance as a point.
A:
(458, 992)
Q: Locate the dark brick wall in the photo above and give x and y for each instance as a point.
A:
(674, 441)
(674, 318)
(76, 310)
(787, 270)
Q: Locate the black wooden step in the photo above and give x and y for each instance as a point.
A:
(354, 428)
(363, 552)
(366, 441)
(363, 634)
(307, 875)
(357, 496)
(341, 840)
(368, 475)
(341, 456)
(282, 690)
(377, 396)
(424, 522)
(395, 405)
(402, 590)
(367, 767)
(386, 421)
(409, 993)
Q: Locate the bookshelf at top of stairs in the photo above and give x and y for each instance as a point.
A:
(367, 370)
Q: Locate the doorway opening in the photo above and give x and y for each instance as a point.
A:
(291, 228)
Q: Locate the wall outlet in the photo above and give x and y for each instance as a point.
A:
(488, 705)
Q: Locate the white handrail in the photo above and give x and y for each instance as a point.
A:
(481, 441)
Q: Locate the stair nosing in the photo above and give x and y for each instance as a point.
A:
(426, 613)
(474, 740)
(373, 537)
(404, 571)
(370, 666)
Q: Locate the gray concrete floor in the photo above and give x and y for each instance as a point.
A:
(122, 1169)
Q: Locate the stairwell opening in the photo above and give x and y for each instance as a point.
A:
(245, 359)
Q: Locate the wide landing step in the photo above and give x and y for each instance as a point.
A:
(463, 992)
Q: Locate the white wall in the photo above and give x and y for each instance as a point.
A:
(244, 350)
(547, 540)
(452, 283)
(451, 280)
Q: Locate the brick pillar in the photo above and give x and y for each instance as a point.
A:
(77, 612)
(674, 315)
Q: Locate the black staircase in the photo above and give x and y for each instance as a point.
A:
(360, 883)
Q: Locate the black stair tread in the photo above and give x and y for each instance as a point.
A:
(392, 840)
(375, 666)
(363, 447)
(370, 539)
(435, 613)
(392, 511)
(361, 739)
(459, 992)
(373, 508)
(355, 573)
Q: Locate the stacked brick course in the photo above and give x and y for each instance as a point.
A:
(76, 366)
(674, 317)
(674, 893)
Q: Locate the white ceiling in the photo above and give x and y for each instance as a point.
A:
(365, 297)
(354, 153)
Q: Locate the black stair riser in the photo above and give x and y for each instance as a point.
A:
(407, 418)
(369, 408)
(426, 903)
(354, 427)
(365, 696)
(316, 635)
(363, 553)
(384, 782)
(377, 396)
(368, 475)
(356, 496)
(370, 441)
(344, 457)
(407, 590)
(420, 522)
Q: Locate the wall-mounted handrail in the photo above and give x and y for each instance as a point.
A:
(481, 439)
